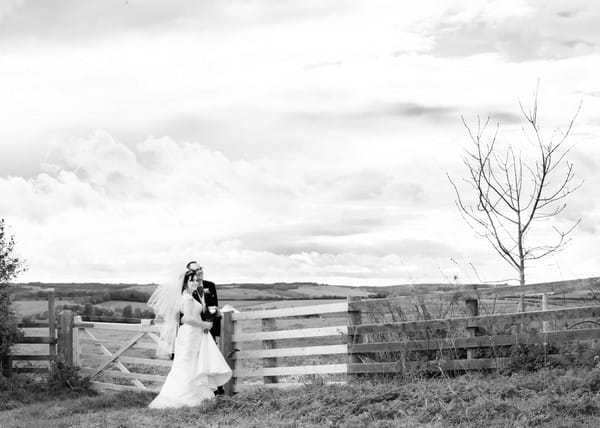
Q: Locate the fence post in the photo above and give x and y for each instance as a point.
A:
(228, 349)
(472, 311)
(353, 319)
(65, 336)
(545, 324)
(7, 365)
(269, 324)
(51, 324)
(76, 345)
(522, 304)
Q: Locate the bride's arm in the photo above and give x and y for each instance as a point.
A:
(190, 317)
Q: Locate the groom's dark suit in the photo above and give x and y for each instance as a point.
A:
(211, 299)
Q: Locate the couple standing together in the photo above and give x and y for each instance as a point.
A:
(191, 321)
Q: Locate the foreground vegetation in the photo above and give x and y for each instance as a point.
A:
(548, 398)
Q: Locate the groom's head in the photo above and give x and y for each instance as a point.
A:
(195, 267)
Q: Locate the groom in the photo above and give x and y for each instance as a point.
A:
(211, 299)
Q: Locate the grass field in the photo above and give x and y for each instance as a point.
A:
(549, 398)
(26, 308)
(118, 305)
(226, 291)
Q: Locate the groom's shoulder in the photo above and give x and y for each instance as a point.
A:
(208, 283)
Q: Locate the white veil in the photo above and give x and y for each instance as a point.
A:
(166, 302)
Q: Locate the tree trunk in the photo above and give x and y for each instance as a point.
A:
(522, 282)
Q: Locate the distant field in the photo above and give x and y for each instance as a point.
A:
(120, 304)
(26, 308)
(333, 290)
(263, 292)
(238, 304)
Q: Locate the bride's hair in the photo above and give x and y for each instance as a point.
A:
(189, 276)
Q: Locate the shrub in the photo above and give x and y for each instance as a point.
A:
(63, 375)
(10, 267)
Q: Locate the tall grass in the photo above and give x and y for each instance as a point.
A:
(549, 398)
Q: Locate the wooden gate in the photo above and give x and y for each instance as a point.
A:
(102, 351)
(24, 353)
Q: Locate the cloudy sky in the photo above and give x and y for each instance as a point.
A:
(277, 140)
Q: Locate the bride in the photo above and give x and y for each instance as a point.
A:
(198, 366)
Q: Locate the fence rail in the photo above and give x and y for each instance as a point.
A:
(487, 321)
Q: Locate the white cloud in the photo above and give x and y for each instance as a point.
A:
(274, 141)
(521, 30)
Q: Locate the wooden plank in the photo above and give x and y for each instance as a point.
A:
(269, 324)
(125, 375)
(291, 352)
(37, 357)
(291, 334)
(33, 324)
(474, 364)
(544, 287)
(291, 370)
(17, 369)
(353, 318)
(77, 334)
(243, 387)
(51, 321)
(65, 336)
(103, 342)
(368, 305)
(477, 342)
(7, 365)
(475, 291)
(228, 349)
(480, 321)
(545, 324)
(104, 386)
(403, 366)
(146, 361)
(328, 308)
(135, 328)
(472, 311)
(37, 339)
(93, 355)
(131, 360)
(154, 337)
(117, 354)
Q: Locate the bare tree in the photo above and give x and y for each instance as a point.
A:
(513, 193)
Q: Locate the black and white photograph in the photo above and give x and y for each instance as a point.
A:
(276, 213)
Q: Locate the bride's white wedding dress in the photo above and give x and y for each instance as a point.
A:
(198, 367)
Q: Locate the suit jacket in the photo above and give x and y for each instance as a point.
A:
(211, 299)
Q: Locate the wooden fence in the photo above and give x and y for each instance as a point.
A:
(52, 339)
(286, 347)
(296, 343)
(472, 341)
(329, 342)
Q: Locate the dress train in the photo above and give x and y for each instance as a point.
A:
(198, 369)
